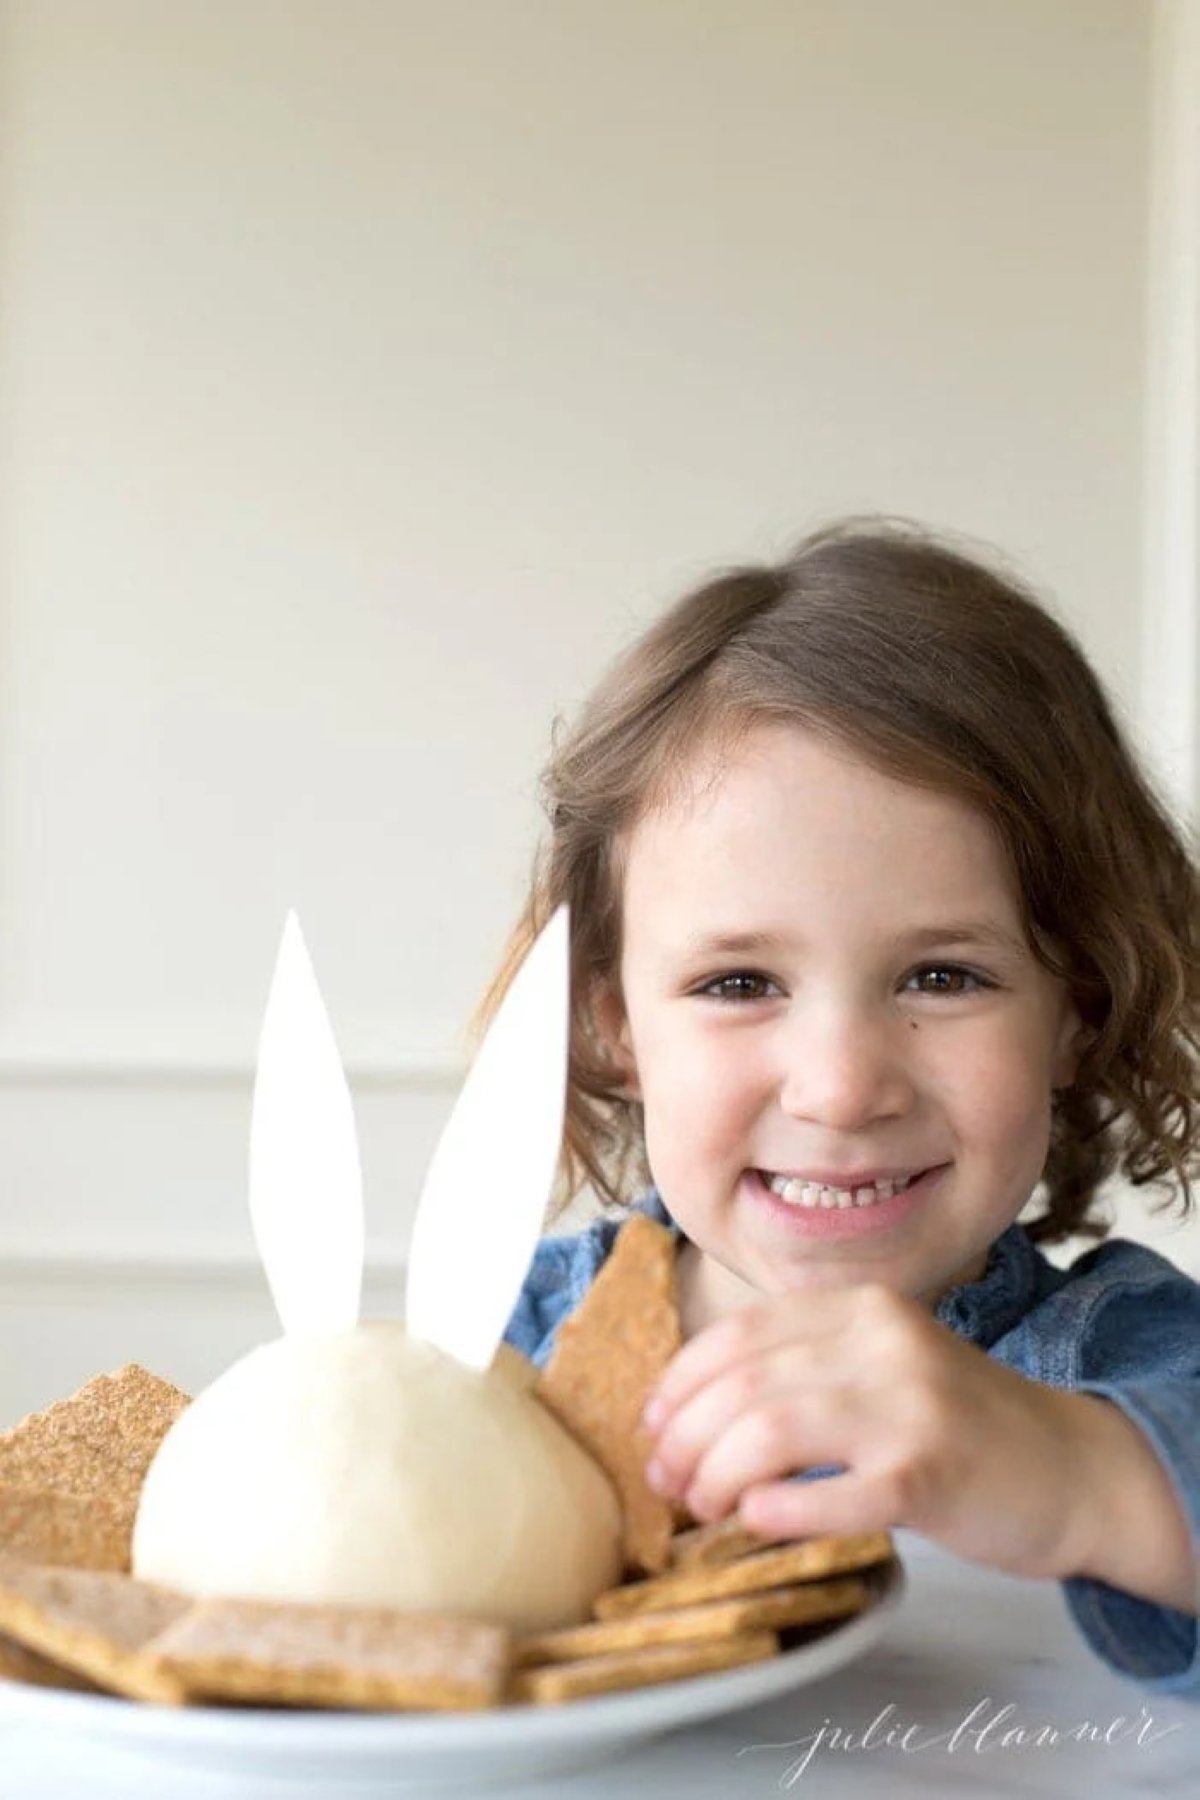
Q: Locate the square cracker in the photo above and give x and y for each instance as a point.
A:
(725, 1540)
(608, 1355)
(639, 1668)
(772, 1609)
(19, 1664)
(92, 1622)
(809, 1559)
(95, 1447)
(45, 1526)
(296, 1654)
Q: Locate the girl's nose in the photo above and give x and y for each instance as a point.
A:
(845, 1069)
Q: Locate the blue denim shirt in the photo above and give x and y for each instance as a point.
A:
(1122, 1322)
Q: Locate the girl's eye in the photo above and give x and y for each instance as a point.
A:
(952, 981)
(953, 978)
(740, 984)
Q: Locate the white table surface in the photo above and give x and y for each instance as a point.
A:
(964, 1644)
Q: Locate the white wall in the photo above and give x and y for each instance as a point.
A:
(369, 371)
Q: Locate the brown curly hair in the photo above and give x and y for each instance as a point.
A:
(937, 669)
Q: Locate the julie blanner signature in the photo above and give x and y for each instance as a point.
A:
(986, 1728)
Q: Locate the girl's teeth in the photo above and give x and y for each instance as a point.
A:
(799, 1193)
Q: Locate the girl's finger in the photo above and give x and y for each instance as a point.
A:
(788, 1432)
(792, 1367)
(834, 1505)
(741, 1335)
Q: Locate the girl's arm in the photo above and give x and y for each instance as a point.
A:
(1137, 1533)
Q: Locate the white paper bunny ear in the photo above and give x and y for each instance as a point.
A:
(305, 1180)
(484, 1199)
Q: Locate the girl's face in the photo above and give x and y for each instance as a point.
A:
(878, 1014)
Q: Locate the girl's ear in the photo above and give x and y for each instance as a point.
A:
(1073, 1039)
(608, 1011)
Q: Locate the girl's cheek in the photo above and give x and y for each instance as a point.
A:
(696, 1096)
(996, 1094)
(1002, 1082)
(677, 1060)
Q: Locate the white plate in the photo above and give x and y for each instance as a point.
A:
(330, 1752)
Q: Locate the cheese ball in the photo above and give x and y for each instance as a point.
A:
(365, 1467)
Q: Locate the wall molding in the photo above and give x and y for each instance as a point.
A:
(102, 1280)
(420, 1070)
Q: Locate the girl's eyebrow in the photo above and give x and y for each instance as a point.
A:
(952, 931)
(964, 931)
(735, 943)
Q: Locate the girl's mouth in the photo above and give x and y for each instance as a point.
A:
(827, 1212)
(799, 1192)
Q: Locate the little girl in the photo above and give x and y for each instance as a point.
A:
(877, 929)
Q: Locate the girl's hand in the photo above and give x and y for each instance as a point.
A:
(933, 1434)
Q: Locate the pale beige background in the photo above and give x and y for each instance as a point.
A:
(371, 369)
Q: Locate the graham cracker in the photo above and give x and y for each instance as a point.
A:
(639, 1668)
(295, 1654)
(606, 1359)
(95, 1623)
(774, 1609)
(45, 1526)
(19, 1664)
(810, 1559)
(95, 1447)
(725, 1540)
